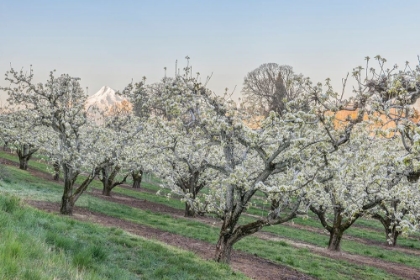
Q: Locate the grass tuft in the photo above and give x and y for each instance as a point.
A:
(9, 204)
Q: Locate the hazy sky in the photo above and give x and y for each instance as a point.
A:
(112, 42)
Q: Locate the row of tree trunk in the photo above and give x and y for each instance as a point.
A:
(227, 237)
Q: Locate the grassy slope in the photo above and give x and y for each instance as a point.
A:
(37, 245)
(297, 234)
(28, 186)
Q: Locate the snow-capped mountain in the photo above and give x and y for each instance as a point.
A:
(104, 99)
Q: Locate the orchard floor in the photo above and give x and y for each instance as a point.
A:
(252, 266)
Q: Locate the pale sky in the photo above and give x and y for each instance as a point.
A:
(112, 42)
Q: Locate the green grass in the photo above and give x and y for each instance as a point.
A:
(43, 191)
(349, 246)
(38, 165)
(280, 252)
(37, 245)
(375, 234)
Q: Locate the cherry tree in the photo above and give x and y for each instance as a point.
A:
(384, 96)
(393, 92)
(139, 98)
(23, 134)
(276, 158)
(268, 87)
(355, 180)
(399, 211)
(59, 105)
(131, 142)
(183, 163)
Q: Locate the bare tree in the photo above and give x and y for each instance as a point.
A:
(270, 86)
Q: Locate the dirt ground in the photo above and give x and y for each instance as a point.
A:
(250, 265)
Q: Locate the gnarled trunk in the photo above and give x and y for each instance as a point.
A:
(227, 238)
(389, 220)
(23, 163)
(109, 175)
(224, 249)
(71, 194)
(67, 205)
(56, 167)
(392, 235)
(230, 234)
(190, 186)
(336, 234)
(189, 210)
(337, 227)
(67, 200)
(25, 153)
(137, 178)
(391, 232)
(106, 191)
(339, 223)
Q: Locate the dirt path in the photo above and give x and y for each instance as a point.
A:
(151, 206)
(252, 266)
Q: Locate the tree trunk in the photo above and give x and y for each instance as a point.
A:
(56, 166)
(71, 194)
(189, 210)
(230, 234)
(274, 204)
(106, 191)
(109, 176)
(66, 205)
(391, 235)
(23, 163)
(67, 201)
(107, 181)
(137, 177)
(335, 239)
(223, 249)
(25, 153)
(394, 237)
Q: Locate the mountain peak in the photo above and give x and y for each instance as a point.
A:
(104, 98)
(105, 90)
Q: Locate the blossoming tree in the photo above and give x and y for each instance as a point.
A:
(59, 105)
